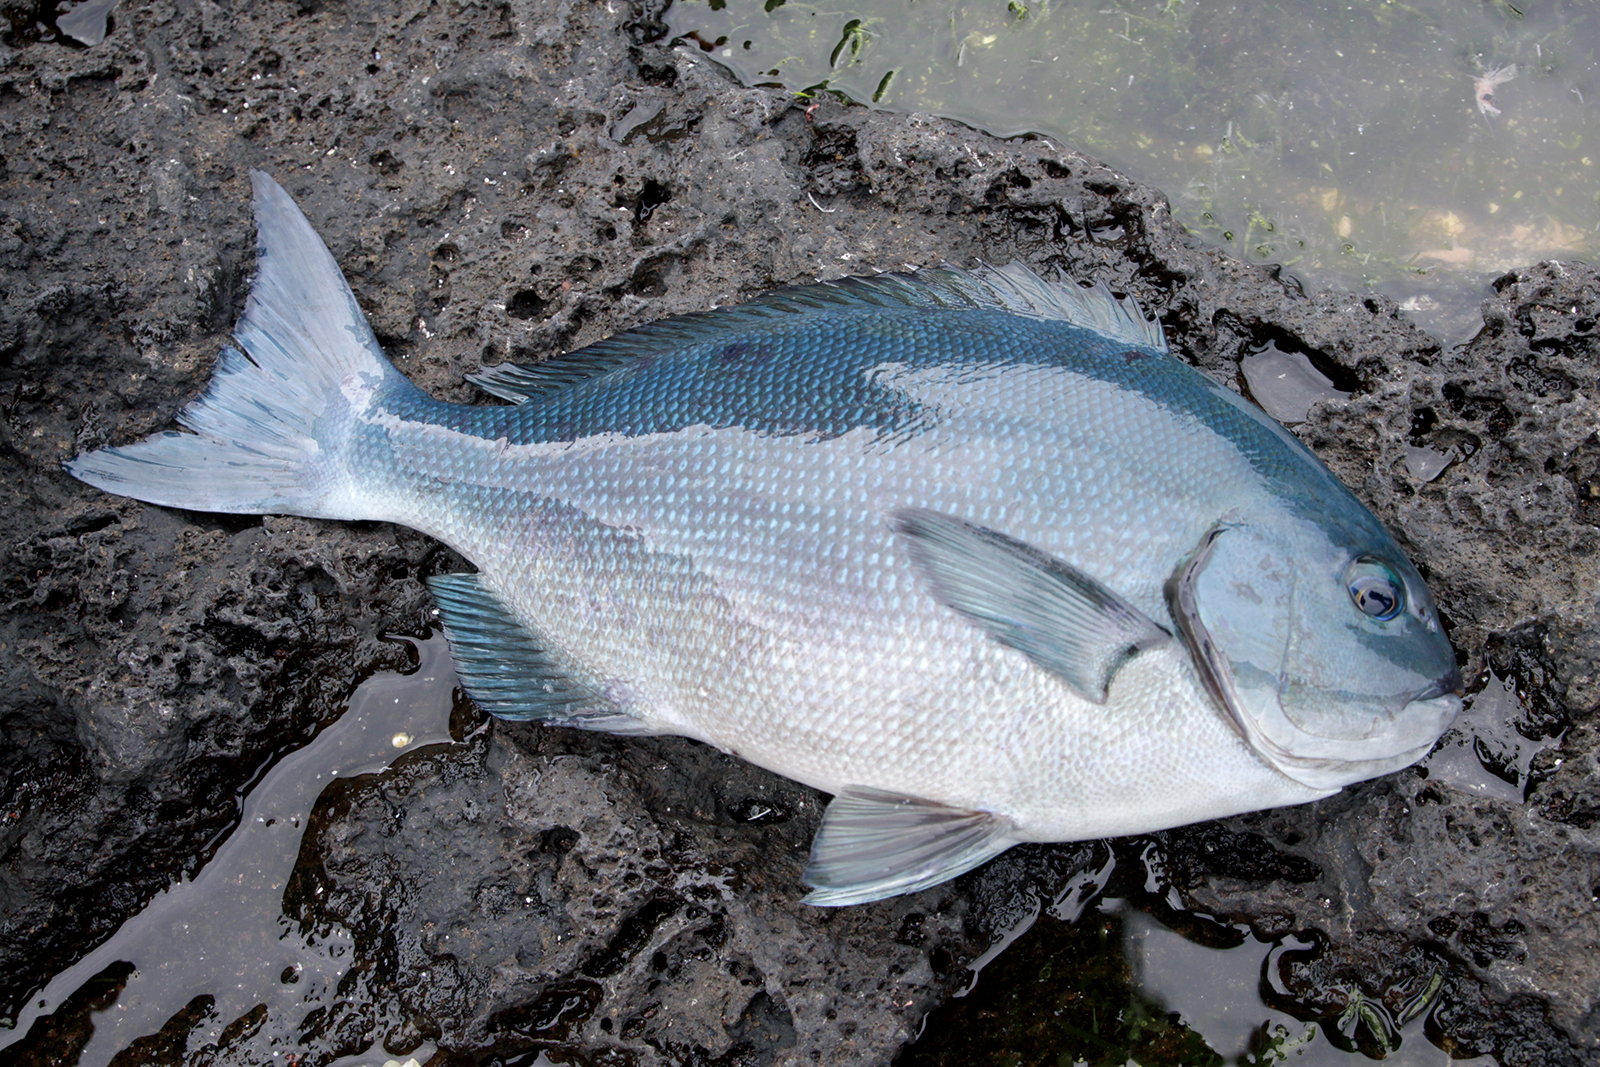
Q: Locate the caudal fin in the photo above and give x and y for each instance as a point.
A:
(270, 430)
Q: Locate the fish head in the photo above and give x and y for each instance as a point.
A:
(1325, 650)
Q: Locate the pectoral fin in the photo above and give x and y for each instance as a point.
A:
(510, 671)
(1051, 612)
(873, 845)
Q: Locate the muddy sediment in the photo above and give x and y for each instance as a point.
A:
(511, 181)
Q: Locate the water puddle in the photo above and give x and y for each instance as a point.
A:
(1217, 993)
(217, 955)
(1426, 464)
(1114, 971)
(1488, 752)
(87, 21)
(1417, 149)
(1285, 384)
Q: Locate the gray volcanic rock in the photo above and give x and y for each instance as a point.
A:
(513, 180)
(1508, 533)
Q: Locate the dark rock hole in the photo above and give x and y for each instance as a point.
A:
(650, 196)
(1422, 421)
(1490, 411)
(632, 936)
(526, 304)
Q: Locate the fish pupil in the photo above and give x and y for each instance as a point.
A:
(1375, 590)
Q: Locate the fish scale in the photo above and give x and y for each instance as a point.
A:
(969, 550)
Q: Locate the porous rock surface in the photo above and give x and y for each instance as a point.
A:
(513, 180)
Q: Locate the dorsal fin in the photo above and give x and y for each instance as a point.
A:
(1014, 289)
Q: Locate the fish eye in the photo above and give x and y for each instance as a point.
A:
(1375, 589)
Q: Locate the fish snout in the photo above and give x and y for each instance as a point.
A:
(1449, 684)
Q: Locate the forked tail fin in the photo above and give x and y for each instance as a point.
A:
(271, 429)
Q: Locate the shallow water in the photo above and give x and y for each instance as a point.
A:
(1369, 144)
(1216, 994)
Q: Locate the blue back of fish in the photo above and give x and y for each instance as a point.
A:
(802, 366)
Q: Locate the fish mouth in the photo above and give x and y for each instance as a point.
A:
(1450, 684)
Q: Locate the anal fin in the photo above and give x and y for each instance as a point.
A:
(510, 671)
(874, 844)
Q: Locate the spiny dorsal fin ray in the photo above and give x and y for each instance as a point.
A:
(1051, 612)
(1014, 289)
(873, 844)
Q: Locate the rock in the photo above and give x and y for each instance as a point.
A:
(514, 180)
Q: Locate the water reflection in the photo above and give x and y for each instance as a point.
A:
(1361, 144)
(1115, 971)
(1286, 384)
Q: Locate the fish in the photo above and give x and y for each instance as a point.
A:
(967, 549)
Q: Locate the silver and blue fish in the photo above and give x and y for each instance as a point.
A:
(968, 550)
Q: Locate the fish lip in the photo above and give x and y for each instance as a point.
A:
(1449, 685)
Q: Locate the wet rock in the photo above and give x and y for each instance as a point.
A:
(513, 180)
(1509, 550)
(541, 891)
